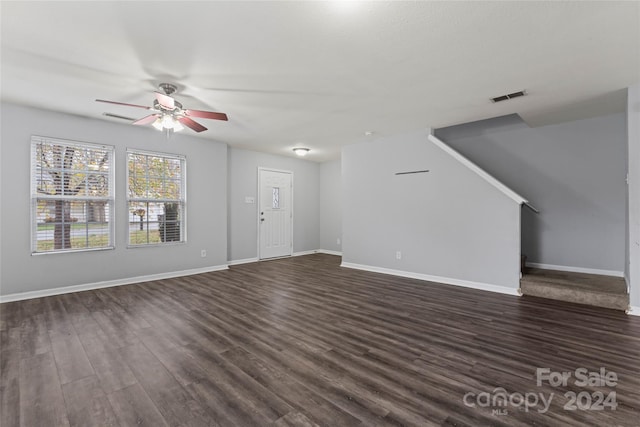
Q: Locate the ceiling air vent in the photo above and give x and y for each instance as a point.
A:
(509, 96)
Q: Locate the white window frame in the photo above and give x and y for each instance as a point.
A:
(109, 200)
(182, 201)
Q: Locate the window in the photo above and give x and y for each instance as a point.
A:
(71, 195)
(156, 198)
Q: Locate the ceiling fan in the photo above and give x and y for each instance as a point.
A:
(168, 114)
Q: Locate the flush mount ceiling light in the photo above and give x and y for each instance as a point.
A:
(301, 151)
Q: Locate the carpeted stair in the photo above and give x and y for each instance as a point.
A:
(580, 288)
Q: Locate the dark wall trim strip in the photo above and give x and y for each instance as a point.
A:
(410, 172)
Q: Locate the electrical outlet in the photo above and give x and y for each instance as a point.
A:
(398, 255)
(338, 240)
(203, 253)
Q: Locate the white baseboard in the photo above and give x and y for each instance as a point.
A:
(634, 311)
(328, 252)
(438, 279)
(576, 269)
(107, 284)
(302, 253)
(243, 261)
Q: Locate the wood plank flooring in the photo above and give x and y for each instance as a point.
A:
(304, 342)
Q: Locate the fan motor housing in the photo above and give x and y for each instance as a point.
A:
(157, 106)
(168, 88)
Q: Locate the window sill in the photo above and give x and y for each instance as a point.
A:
(156, 245)
(73, 251)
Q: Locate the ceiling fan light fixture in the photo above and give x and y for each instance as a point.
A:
(167, 122)
(301, 151)
(158, 124)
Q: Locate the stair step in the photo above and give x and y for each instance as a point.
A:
(580, 288)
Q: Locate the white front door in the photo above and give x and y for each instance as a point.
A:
(275, 217)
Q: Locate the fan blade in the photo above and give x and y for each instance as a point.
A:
(191, 124)
(206, 114)
(166, 101)
(123, 103)
(146, 120)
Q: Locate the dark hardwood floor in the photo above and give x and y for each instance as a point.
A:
(304, 342)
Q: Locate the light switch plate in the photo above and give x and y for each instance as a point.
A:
(249, 199)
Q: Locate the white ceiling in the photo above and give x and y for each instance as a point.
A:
(320, 74)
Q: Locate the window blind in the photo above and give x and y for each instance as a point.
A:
(72, 195)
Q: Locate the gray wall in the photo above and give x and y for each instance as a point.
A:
(206, 208)
(331, 206)
(448, 222)
(633, 226)
(243, 182)
(573, 172)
